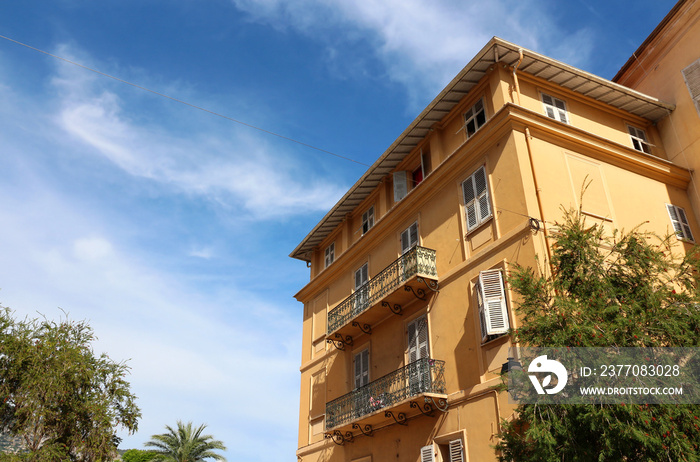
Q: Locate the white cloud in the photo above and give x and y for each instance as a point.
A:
(422, 44)
(243, 171)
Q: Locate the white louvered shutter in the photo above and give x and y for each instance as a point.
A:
(679, 222)
(400, 185)
(691, 74)
(409, 238)
(362, 368)
(418, 345)
(427, 454)
(476, 198)
(456, 452)
(493, 309)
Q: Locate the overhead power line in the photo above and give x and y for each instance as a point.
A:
(140, 87)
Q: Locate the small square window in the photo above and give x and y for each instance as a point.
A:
(639, 139)
(680, 222)
(555, 108)
(474, 118)
(330, 254)
(367, 220)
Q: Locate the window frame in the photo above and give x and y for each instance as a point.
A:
(639, 143)
(480, 198)
(363, 373)
(472, 115)
(555, 110)
(367, 220)
(329, 255)
(492, 304)
(681, 225)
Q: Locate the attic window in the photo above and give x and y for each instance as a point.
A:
(555, 108)
(474, 118)
(639, 139)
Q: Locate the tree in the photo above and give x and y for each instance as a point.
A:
(186, 444)
(137, 455)
(606, 289)
(62, 400)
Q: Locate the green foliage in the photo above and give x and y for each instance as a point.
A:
(137, 455)
(185, 444)
(62, 400)
(626, 290)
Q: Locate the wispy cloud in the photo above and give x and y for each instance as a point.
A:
(423, 44)
(244, 171)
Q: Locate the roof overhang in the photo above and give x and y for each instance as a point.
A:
(496, 50)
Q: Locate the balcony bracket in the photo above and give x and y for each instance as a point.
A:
(339, 341)
(399, 418)
(396, 309)
(440, 404)
(339, 438)
(432, 285)
(418, 293)
(366, 328)
(367, 430)
(426, 409)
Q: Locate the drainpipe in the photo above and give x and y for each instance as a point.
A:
(515, 75)
(537, 194)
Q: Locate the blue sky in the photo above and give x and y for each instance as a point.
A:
(167, 227)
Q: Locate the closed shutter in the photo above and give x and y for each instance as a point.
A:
(427, 454)
(418, 345)
(679, 221)
(456, 452)
(409, 238)
(476, 198)
(361, 276)
(400, 185)
(362, 368)
(691, 74)
(493, 310)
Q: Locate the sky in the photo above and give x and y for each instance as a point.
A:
(168, 227)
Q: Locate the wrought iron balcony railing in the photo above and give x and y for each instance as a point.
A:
(423, 376)
(417, 261)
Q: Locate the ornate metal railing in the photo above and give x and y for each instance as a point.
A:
(418, 260)
(423, 376)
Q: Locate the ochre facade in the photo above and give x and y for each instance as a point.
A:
(400, 357)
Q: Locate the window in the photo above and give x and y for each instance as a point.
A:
(476, 199)
(555, 108)
(491, 298)
(639, 139)
(451, 451)
(330, 254)
(409, 238)
(361, 290)
(680, 222)
(361, 361)
(400, 185)
(474, 118)
(418, 347)
(367, 220)
(691, 74)
(417, 176)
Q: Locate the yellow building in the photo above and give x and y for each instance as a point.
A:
(407, 308)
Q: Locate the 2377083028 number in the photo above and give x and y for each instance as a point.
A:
(635, 370)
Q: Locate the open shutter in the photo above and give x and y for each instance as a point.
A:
(427, 454)
(456, 452)
(400, 185)
(691, 74)
(684, 224)
(493, 298)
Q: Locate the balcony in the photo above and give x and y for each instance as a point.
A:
(390, 399)
(410, 270)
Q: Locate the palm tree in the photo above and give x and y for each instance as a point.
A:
(186, 444)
